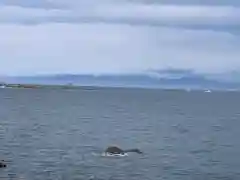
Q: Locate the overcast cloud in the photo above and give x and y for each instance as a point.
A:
(108, 36)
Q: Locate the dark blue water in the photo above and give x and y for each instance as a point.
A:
(60, 134)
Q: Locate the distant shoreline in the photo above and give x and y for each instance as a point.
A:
(73, 86)
(37, 86)
(69, 86)
(96, 87)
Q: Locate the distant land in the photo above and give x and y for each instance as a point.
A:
(170, 78)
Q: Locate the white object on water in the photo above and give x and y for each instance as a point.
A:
(115, 155)
(208, 91)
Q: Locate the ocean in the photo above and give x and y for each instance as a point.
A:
(54, 134)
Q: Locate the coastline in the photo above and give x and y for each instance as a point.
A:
(37, 86)
(97, 87)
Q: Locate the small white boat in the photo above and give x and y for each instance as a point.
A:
(208, 91)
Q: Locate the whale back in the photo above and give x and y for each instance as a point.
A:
(117, 150)
(134, 150)
(114, 150)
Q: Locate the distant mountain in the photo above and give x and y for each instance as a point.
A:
(169, 78)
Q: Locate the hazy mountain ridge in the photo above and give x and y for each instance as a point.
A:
(175, 78)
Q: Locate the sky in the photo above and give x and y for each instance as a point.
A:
(124, 36)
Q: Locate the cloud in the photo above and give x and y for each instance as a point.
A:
(172, 14)
(16, 14)
(101, 48)
(191, 2)
(126, 13)
(117, 36)
(46, 4)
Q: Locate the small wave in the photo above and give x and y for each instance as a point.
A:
(109, 154)
(114, 155)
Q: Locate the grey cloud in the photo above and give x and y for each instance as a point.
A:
(67, 3)
(45, 4)
(122, 36)
(190, 2)
(101, 48)
(134, 14)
